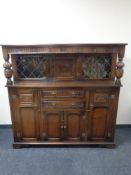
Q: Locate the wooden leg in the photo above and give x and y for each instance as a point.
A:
(110, 146)
(17, 146)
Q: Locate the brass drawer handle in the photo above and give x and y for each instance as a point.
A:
(75, 93)
(53, 93)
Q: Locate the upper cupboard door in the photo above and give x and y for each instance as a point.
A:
(98, 66)
(64, 67)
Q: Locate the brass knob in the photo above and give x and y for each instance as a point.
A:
(91, 106)
(73, 104)
(88, 110)
(84, 117)
(63, 127)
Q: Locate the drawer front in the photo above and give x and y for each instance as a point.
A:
(63, 93)
(63, 104)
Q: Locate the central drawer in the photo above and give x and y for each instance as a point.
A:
(62, 104)
(63, 93)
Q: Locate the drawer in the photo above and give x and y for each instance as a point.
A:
(63, 104)
(63, 93)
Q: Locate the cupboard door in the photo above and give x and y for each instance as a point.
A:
(52, 128)
(27, 115)
(73, 125)
(99, 115)
(64, 67)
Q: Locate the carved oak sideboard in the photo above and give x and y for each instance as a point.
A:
(65, 94)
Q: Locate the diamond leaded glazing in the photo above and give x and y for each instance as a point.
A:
(35, 66)
(97, 67)
(31, 66)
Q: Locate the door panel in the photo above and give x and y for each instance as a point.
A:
(73, 125)
(99, 123)
(27, 114)
(99, 114)
(27, 117)
(52, 129)
(63, 67)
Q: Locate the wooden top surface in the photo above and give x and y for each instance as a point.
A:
(59, 84)
(58, 45)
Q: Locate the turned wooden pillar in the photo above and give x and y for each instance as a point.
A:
(120, 65)
(8, 70)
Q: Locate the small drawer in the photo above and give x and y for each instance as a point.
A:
(63, 93)
(63, 104)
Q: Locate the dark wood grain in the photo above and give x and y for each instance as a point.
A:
(57, 102)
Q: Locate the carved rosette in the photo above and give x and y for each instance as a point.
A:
(8, 71)
(120, 65)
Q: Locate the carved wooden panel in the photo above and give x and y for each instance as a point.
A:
(26, 98)
(99, 114)
(73, 125)
(101, 98)
(64, 67)
(98, 123)
(52, 125)
(27, 117)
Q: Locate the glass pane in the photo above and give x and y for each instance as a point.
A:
(97, 67)
(31, 66)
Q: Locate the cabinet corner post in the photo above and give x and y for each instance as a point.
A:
(8, 70)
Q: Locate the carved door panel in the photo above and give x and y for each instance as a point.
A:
(63, 67)
(99, 115)
(27, 115)
(52, 128)
(73, 127)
